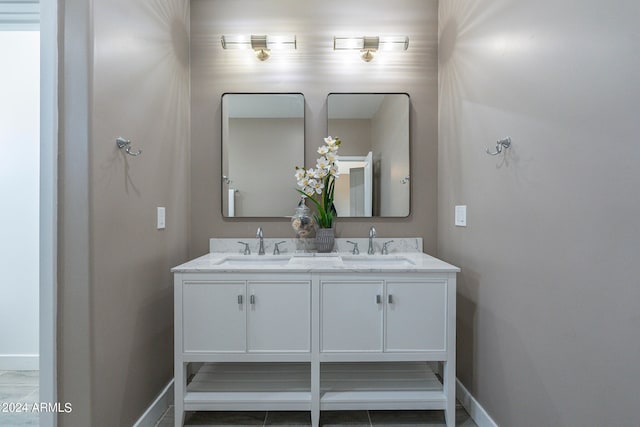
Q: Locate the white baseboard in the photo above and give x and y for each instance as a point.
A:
(157, 408)
(475, 410)
(19, 362)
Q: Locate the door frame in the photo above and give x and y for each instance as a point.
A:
(48, 206)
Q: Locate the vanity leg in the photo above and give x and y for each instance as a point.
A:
(449, 385)
(180, 386)
(315, 393)
(315, 353)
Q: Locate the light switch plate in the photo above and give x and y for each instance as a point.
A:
(161, 218)
(461, 216)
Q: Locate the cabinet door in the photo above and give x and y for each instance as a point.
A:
(279, 316)
(416, 316)
(351, 316)
(214, 317)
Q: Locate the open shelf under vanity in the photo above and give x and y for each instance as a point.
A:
(287, 386)
(380, 385)
(250, 387)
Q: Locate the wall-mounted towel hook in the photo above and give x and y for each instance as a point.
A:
(126, 144)
(500, 144)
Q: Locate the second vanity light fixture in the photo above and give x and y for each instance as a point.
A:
(369, 45)
(261, 44)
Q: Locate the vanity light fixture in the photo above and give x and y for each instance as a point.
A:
(369, 45)
(261, 44)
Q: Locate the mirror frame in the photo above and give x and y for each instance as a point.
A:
(410, 183)
(222, 184)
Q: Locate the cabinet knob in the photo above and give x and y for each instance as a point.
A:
(252, 299)
(390, 299)
(378, 299)
(240, 299)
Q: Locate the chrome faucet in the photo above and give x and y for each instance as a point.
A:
(259, 235)
(372, 235)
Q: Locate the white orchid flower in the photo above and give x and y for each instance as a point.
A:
(332, 142)
(323, 163)
(322, 173)
(304, 182)
(318, 182)
(312, 173)
(318, 186)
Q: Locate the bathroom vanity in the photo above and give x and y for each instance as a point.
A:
(307, 332)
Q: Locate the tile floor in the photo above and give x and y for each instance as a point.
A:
(327, 418)
(22, 387)
(18, 387)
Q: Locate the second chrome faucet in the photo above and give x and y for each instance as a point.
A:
(372, 235)
(260, 236)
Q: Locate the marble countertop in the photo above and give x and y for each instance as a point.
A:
(336, 262)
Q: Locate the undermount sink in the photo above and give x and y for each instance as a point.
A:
(332, 259)
(376, 260)
(266, 260)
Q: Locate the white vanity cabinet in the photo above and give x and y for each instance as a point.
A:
(279, 316)
(416, 315)
(235, 316)
(314, 336)
(206, 306)
(383, 314)
(351, 315)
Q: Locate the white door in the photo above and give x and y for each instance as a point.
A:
(351, 316)
(416, 316)
(213, 316)
(279, 316)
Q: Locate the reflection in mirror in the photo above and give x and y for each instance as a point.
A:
(374, 155)
(262, 142)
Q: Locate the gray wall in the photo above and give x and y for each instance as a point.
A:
(315, 70)
(126, 73)
(548, 324)
(356, 133)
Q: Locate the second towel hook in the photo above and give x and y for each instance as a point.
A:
(126, 144)
(500, 144)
